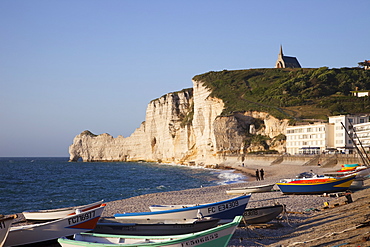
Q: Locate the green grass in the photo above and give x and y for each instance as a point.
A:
(290, 93)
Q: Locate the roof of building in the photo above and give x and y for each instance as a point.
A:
(285, 61)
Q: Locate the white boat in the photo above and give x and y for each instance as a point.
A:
(156, 208)
(52, 230)
(224, 210)
(5, 222)
(53, 214)
(147, 227)
(251, 189)
(261, 214)
(218, 236)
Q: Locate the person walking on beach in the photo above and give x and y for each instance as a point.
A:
(262, 173)
(257, 175)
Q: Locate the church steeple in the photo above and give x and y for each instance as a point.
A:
(281, 51)
(285, 61)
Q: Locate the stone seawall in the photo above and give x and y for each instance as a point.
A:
(286, 160)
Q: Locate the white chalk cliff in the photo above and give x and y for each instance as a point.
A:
(184, 128)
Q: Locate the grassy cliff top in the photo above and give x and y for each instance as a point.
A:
(290, 93)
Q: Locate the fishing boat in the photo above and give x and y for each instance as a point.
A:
(145, 227)
(360, 171)
(315, 185)
(218, 236)
(156, 208)
(5, 222)
(262, 214)
(52, 230)
(251, 189)
(224, 210)
(53, 214)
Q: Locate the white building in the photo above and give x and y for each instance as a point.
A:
(319, 137)
(362, 135)
(309, 139)
(362, 93)
(341, 139)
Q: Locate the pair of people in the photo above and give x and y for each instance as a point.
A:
(260, 174)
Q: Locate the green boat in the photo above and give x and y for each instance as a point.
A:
(218, 236)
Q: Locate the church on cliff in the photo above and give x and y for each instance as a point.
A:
(285, 61)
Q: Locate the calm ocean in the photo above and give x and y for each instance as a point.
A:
(44, 183)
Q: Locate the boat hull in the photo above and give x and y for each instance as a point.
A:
(157, 228)
(316, 185)
(4, 228)
(224, 210)
(29, 234)
(262, 214)
(253, 189)
(54, 214)
(218, 236)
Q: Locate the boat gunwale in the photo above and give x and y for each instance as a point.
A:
(185, 209)
(63, 209)
(266, 207)
(253, 187)
(333, 180)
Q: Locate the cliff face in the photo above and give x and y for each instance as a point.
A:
(182, 127)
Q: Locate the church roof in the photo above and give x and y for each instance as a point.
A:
(291, 62)
(286, 62)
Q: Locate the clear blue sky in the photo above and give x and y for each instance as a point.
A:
(74, 65)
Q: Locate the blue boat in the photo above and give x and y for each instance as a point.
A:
(223, 210)
(316, 185)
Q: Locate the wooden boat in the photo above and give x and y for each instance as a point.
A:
(349, 166)
(52, 230)
(224, 210)
(261, 214)
(147, 227)
(53, 214)
(360, 171)
(156, 208)
(316, 185)
(251, 189)
(5, 222)
(218, 236)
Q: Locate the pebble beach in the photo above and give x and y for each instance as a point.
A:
(289, 230)
(309, 220)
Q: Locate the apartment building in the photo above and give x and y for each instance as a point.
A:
(321, 137)
(342, 140)
(362, 135)
(309, 139)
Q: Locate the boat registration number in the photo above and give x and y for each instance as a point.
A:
(251, 213)
(2, 225)
(200, 240)
(81, 217)
(223, 207)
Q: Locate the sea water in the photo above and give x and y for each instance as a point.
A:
(46, 183)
